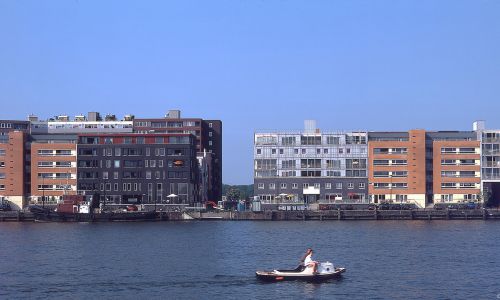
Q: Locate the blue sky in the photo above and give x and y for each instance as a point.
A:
(375, 65)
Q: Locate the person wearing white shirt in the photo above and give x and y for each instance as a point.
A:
(307, 260)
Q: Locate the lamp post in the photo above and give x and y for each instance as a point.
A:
(390, 176)
(43, 190)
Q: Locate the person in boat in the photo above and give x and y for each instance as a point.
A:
(307, 260)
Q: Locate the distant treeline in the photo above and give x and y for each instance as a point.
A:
(237, 192)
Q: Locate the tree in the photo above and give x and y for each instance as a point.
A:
(233, 194)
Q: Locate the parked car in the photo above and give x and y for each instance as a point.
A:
(5, 206)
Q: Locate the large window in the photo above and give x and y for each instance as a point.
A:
(333, 163)
(466, 150)
(310, 140)
(288, 164)
(288, 140)
(355, 163)
(381, 162)
(310, 163)
(333, 140)
(265, 164)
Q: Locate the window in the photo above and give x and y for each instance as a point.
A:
(468, 185)
(303, 151)
(2, 152)
(260, 186)
(115, 186)
(2, 175)
(210, 134)
(467, 150)
(381, 185)
(296, 151)
(467, 174)
(448, 174)
(283, 185)
(445, 162)
(361, 185)
(148, 151)
(328, 186)
(448, 150)
(338, 185)
(400, 185)
(317, 185)
(325, 151)
(152, 163)
(318, 151)
(288, 164)
(117, 164)
(333, 164)
(380, 162)
(448, 197)
(467, 162)
(157, 175)
(350, 185)
(160, 163)
(281, 151)
(341, 150)
(289, 140)
(380, 174)
(115, 175)
(310, 140)
(448, 185)
(159, 140)
(210, 143)
(305, 185)
(295, 186)
(104, 175)
(162, 151)
(400, 174)
(148, 174)
(2, 164)
(333, 140)
(140, 140)
(399, 162)
(146, 163)
(333, 173)
(273, 151)
(272, 186)
(259, 151)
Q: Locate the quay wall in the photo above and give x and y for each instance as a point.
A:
(338, 215)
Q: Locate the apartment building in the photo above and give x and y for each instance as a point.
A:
(12, 168)
(53, 167)
(490, 162)
(457, 171)
(139, 168)
(397, 166)
(423, 167)
(310, 166)
(208, 138)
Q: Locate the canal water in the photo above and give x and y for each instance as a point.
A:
(215, 260)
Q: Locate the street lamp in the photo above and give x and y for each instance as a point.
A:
(43, 190)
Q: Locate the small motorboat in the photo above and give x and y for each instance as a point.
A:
(325, 271)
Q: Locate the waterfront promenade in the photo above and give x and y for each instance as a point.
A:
(328, 215)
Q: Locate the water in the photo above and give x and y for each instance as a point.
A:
(213, 260)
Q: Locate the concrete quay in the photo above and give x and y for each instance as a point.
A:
(333, 215)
